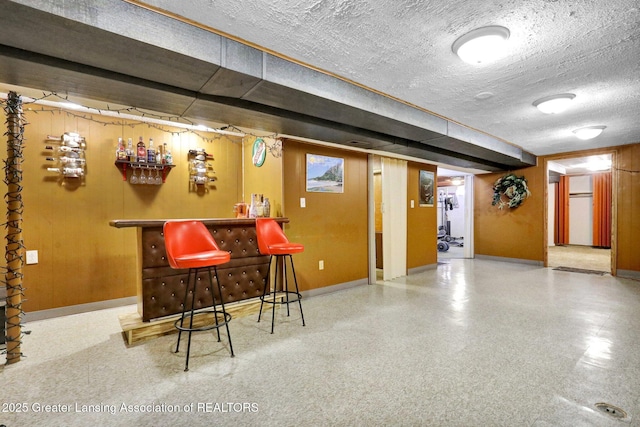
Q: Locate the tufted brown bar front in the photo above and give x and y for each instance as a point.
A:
(160, 289)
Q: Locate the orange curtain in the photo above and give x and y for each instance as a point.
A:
(602, 209)
(562, 212)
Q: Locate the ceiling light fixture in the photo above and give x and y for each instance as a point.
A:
(554, 104)
(457, 180)
(589, 132)
(481, 45)
(597, 165)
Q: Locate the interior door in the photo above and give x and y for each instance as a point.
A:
(394, 218)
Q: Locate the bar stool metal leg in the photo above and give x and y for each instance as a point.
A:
(267, 283)
(184, 310)
(213, 302)
(286, 281)
(190, 331)
(275, 285)
(227, 317)
(295, 279)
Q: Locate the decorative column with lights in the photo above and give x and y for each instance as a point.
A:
(14, 251)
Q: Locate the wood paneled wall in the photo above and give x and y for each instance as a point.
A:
(421, 221)
(627, 177)
(510, 233)
(81, 258)
(266, 179)
(332, 227)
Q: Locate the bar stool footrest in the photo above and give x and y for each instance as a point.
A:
(227, 319)
(282, 297)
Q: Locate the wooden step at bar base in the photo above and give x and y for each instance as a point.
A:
(136, 331)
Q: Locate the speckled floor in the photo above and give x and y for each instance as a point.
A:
(471, 343)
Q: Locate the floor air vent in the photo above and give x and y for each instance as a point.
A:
(611, 410)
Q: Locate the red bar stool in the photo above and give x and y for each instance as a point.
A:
(273, 242)
(189, 244)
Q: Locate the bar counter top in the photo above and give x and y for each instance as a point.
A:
(122, 223)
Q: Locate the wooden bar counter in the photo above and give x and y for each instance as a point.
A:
(160, 289)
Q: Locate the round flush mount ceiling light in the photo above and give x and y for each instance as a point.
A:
(554, 104)
(481, 45)
(589, 132)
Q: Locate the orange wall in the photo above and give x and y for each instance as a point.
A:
(421, 221)
(510, 233)
(332, 227)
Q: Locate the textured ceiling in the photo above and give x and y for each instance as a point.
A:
(403, 48)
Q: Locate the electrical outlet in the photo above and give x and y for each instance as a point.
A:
(303, 202)
(321, 264)
(32, 257)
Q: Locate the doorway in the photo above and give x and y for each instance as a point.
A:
(579, 216)
(455, 214)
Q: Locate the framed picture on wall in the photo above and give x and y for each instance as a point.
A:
(324, 174)
(426, 186)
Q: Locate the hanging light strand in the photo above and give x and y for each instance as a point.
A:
(61, 104)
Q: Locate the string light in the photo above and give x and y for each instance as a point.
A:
(136, 117)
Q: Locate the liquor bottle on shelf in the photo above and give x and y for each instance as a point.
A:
(120, 152)
(267, 207)
(129, 151)
(151, 152)
(141, 151)
(168, 158)
(159, 155)
(252, 208)
(259, 206)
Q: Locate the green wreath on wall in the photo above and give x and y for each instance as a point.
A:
(510, 191)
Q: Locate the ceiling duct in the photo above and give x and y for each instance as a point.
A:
(118, 52)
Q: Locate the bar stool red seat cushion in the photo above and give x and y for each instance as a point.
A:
(189, 244)
(272, 240)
